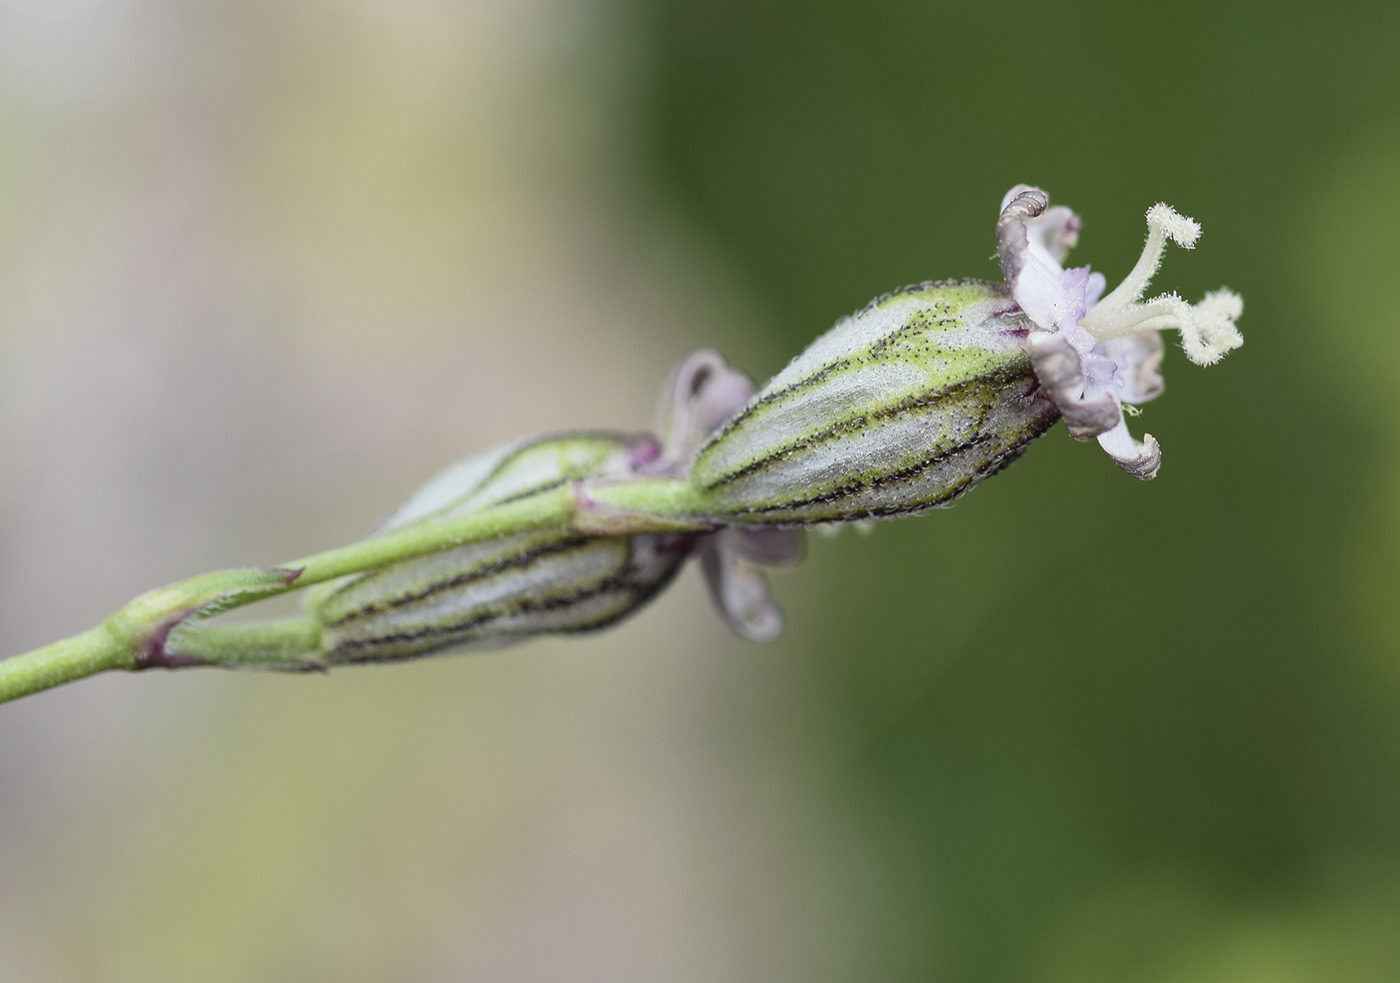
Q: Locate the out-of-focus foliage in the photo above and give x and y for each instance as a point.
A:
(265, 266)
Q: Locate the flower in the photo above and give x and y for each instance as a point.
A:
(1092, 353)
(924, 393)
(703, 393)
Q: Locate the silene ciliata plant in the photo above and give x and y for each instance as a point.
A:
(901, 407)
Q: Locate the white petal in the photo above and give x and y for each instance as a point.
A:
(1027, 221)
(1039, 292)
(1032, 242)
(1060, 369)
(739, 591)
(1054, 298)
(1094, 289)
(1139, 361)
(1139, 459)
(1054, 233)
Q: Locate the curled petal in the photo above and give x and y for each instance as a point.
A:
(739, 592)
(1029, 223)
(1021, 204)
(1032, 243)
(1060, 369)
(1141, 459)
(702, 393)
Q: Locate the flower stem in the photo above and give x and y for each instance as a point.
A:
(135, 636)
(289, 644)
(94, 651)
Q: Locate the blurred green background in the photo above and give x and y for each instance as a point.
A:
(265, 266)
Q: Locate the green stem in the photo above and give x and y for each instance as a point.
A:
(554, 508)
(135, 636)
(73, 658)
(289, 643)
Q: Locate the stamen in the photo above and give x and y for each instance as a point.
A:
(1207, 330)
(1179, 228)
(1163, 222)
(1165, 313)
(1224, 300)
(1213, 327)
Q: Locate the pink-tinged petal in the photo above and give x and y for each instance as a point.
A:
(1082, 340)
(1060, 369)
(1055, 233)
(1100, 372)
(1141, 459)
(1095, 288)
(702, 393)
(738, 591)
(1051, 297)
(1139, 361)
(1032, 243)
(1074, 288)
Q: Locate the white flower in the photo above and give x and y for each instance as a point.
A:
(1094, 352)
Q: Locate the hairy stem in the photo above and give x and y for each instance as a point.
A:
(289, 643)
(136, 636)
(61, 662)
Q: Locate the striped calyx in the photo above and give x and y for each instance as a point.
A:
(900, 407)
(493, 593)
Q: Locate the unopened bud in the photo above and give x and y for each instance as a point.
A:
(496, 592)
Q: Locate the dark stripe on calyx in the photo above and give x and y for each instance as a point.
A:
(873, 484)
(633, 590)
(515, 561)
(939, 314)
(905, 407)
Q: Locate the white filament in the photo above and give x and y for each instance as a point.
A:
(1207, 329)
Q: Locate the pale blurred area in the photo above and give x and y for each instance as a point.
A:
(263, 268)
